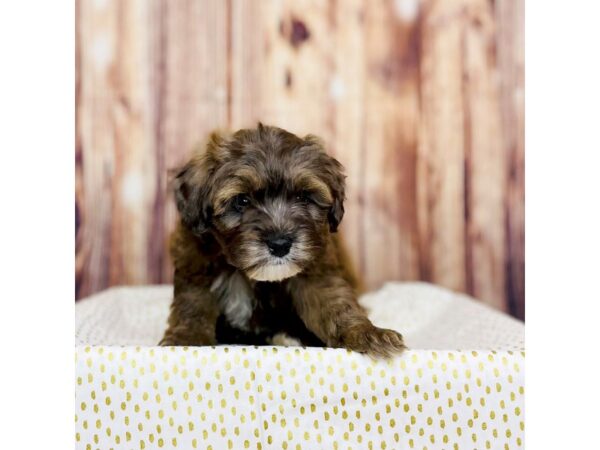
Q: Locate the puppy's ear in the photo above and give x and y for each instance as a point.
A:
(193, 182)
(190, 187)
(336, 212)
(333, 172)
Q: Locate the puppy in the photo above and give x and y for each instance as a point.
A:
(255, 254)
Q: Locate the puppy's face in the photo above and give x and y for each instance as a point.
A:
(268, 197)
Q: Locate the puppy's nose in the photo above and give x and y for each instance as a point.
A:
(279, 245)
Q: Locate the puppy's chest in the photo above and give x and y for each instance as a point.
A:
(251, 306)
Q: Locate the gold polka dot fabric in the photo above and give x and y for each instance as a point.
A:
(239, 397)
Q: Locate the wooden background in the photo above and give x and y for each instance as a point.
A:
(422, 101)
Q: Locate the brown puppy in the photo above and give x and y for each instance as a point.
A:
(254, 253)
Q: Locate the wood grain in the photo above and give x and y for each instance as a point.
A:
(420, 100)
(134, 141)
(346, 89)
(485, 174)
(510, 17)
(96, 34)
(441, 158)
(389, 145)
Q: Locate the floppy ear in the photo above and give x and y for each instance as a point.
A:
(191, 189)
(335, 214)
(193, 183)
(333, 173)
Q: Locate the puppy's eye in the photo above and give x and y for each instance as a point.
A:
(303, 196)
(241, 201)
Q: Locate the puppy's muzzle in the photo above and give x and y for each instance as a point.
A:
(279, 244)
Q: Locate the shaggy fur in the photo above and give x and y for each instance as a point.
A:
(255, 254)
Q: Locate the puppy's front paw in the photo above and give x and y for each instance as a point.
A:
(167, 342)
(182, 339)
(375, 342)
(284, 340)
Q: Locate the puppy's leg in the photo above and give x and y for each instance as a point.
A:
(329, 308)
(193, 318)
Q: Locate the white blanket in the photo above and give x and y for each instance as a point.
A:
(461, 384)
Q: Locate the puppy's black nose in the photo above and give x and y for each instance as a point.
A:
(279, 245)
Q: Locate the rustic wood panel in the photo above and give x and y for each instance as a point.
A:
(485, 161)
(132, 125)
(389, 144)
(510, 48)
(441, 154)
(96, 33)
(346, 89)
(420, 100)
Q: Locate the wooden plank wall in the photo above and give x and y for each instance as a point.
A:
(421, 100)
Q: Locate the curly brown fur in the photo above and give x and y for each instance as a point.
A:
(255, 253)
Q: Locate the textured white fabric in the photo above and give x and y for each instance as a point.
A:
(460, 385)
(428, 317)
